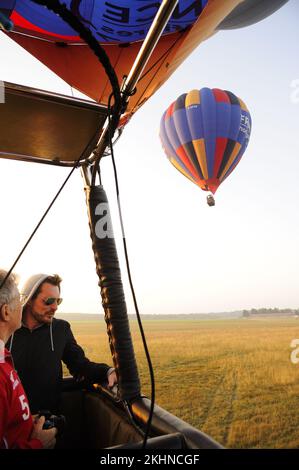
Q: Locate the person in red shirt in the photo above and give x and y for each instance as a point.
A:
(18, 430)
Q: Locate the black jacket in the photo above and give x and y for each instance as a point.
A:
(37, 357)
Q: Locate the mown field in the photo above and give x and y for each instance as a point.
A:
(233, 379)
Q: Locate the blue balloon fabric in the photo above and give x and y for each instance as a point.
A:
(110, 21)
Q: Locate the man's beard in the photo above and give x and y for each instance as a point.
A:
(43, 317)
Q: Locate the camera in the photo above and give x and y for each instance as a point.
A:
(53, 421)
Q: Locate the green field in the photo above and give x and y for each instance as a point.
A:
(233, 379)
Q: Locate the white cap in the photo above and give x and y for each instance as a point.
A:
(28, 289)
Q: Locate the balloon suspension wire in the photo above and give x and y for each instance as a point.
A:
(43, 217)
(150, 366)
(39, 223)
(165, 54)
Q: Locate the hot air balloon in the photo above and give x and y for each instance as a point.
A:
(120, 26)
(204, 134)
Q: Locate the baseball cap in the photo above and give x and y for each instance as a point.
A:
(30, 286)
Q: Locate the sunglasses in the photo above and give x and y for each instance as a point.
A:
(52, 300)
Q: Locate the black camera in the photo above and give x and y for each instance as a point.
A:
(53, 421)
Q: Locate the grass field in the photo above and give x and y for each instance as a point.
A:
(233, 379)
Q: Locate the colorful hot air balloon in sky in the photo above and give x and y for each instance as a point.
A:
(204, 134)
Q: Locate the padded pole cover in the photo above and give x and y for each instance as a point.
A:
(113, 299)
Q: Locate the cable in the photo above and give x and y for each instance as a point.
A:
(39, 223)
(100, 176)
(151, 371)
(161, 57)
(165, 54)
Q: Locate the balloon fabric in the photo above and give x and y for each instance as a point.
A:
(204, 134)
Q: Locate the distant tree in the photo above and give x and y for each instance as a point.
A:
(270, 311)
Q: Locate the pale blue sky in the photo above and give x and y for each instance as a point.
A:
(185, 256)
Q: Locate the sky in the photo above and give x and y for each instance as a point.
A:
(185, 257)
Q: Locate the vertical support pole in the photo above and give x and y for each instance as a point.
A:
(113, 298)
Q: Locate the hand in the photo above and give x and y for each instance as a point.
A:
(46, 436)
(112, 379)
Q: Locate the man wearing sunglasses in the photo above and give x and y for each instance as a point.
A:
(43, 342)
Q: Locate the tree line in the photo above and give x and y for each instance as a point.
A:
(269, 311)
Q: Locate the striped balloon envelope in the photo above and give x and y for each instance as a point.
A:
(119, 26)
(204, 134)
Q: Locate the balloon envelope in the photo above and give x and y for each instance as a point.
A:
(119, 25)
(204, 134)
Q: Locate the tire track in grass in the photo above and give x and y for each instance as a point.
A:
(221, 413)
(230, 413)
(209, 406)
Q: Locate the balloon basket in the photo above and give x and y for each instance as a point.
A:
(210, 200)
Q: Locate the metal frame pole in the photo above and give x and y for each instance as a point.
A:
(160, 21)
